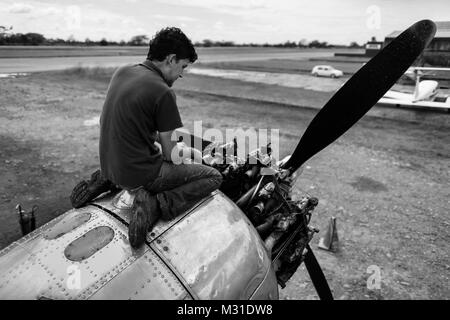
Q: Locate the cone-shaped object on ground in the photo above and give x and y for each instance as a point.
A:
(330, 240)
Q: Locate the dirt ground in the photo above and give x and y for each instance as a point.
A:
(385, 180)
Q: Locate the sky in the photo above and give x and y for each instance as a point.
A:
(241, 21)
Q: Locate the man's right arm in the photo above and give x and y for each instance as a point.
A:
(168, 146)
(175, 151)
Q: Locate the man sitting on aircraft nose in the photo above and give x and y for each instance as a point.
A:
(140, 109)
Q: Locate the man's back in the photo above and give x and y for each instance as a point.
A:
(139, 107)
(138, 104)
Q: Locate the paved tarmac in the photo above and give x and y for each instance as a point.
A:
(24, 65)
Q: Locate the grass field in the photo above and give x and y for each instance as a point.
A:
(68, 51)
(74, 51)
(37, 59)
(287, 65)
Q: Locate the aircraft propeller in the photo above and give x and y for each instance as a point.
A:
(350, 103)
(362, 91)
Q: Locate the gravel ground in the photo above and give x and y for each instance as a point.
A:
(385, 180)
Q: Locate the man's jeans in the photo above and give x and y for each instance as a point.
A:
(179, 187)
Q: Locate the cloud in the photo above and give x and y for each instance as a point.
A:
(257, 21)
(55, 19)
(176, 18)
(219, 25)
(221, 5)
(51, 11)
(20, 8)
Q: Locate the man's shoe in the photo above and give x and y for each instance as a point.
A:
(145, 214)
(86, 191)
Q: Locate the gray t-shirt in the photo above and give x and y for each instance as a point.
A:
(139, 104)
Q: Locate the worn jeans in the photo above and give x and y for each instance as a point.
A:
(179, 187)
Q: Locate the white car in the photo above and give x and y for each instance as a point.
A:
(326, 71)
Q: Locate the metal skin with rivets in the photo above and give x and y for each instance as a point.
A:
(198, 255)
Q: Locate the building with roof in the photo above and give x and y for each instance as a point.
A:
(438, 51)
(372, 47)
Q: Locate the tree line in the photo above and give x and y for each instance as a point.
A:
(9, 38)
(37, 39)
(288, 44)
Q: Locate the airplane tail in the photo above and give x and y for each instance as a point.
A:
(425, 90)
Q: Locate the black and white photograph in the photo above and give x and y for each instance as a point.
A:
(230, 150)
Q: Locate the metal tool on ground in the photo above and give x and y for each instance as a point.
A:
(27, 219)
(330, 240)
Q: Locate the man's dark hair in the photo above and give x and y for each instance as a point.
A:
(171, 41)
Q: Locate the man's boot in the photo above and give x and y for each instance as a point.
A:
(144, 215)
(86, 191)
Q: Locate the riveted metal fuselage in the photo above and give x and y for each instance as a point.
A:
(210, 252)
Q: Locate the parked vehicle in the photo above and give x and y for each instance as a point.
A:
(326, 71)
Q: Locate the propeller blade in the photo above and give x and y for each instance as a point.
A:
(317, 277)
(362, 91)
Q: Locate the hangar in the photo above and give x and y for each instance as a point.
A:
(438, 52)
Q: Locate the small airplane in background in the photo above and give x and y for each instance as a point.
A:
(425, 95)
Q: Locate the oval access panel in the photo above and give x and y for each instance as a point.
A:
(67, 224)
(88, 244)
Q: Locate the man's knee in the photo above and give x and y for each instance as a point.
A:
(215, 176)
(218, 178)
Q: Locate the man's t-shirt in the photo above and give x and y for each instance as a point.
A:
(138, 105)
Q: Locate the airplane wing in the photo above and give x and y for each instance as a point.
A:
(418, 104)
(396, 95)
(430, 68)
